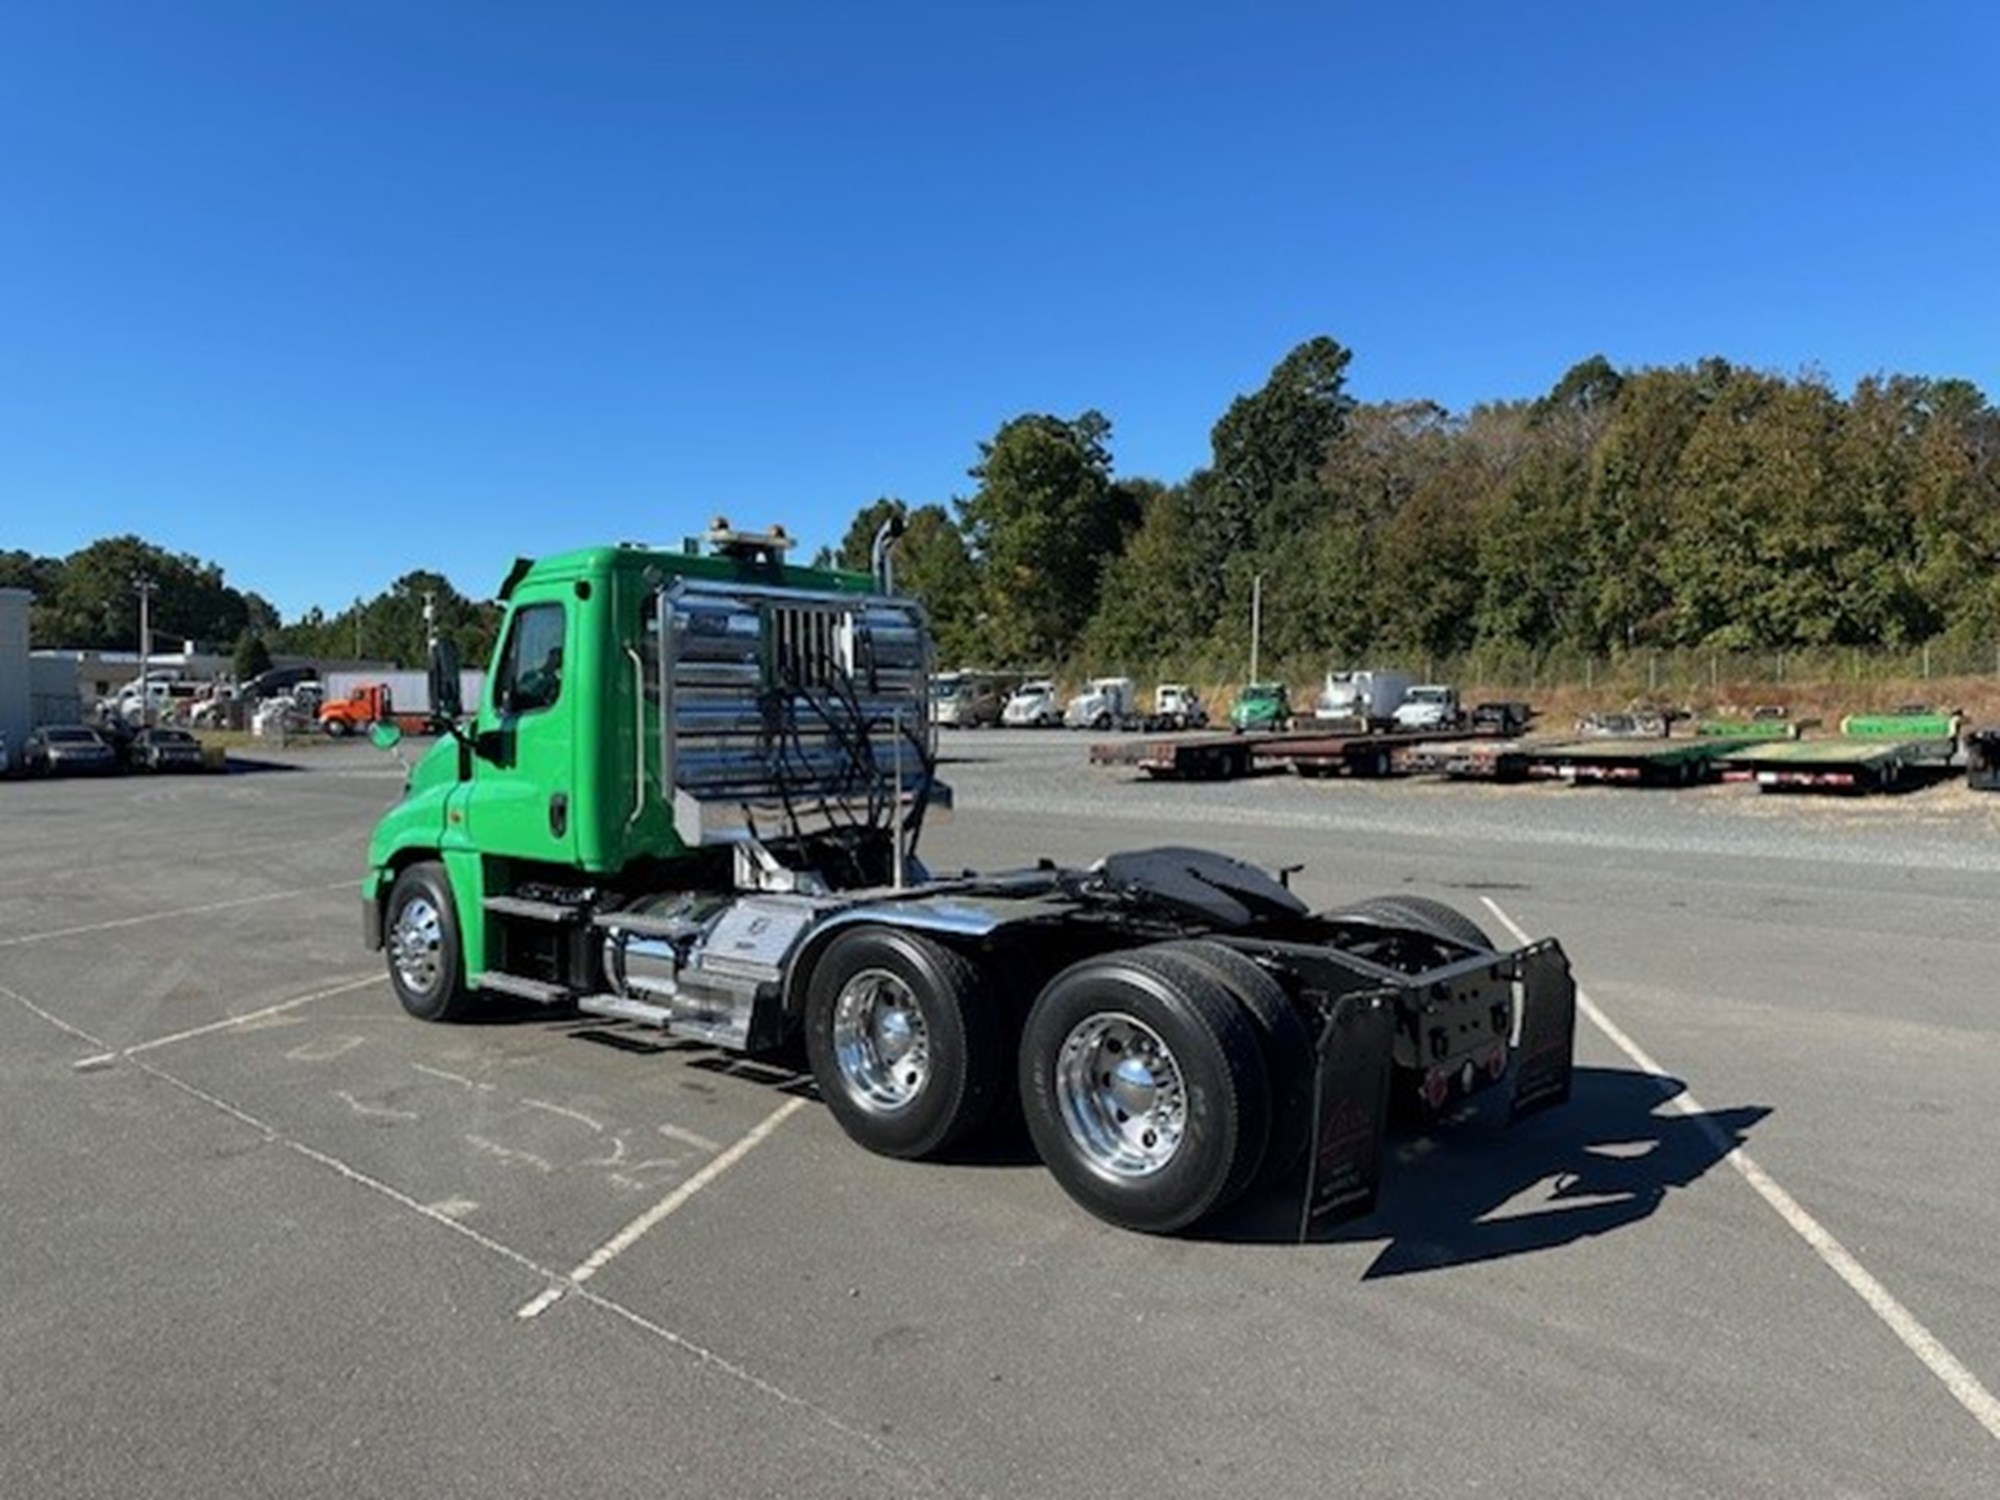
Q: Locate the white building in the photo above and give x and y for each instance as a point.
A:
(15, 691)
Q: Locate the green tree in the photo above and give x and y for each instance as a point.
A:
(95, 602)
(251, 656)
(931, 565)
(1042, 526)
(1151, 615)
(1269, 447)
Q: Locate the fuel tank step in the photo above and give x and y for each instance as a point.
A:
(538, 990)
(531, 910)
(622, 1008)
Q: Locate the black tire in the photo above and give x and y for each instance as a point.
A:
(337, 729)
(420, 938)
(1421, 911)
(1285, 1040)
(1212, 1067)
(864, 992)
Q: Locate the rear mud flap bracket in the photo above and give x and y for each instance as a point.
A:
(1545, 1055)
(1350, 1104)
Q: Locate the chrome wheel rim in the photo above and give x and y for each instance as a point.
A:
(416, 944)
(1122, 1096)
(880, 1042)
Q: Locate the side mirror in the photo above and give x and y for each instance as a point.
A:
(385, 735)
(446, 700)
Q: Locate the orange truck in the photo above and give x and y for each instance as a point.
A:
(367, 704)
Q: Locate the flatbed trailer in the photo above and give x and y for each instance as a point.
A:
(1225, 757)
(1474, 758)
(1872, 752)
(1360, 754)
(1651, 760)
(1184, 757)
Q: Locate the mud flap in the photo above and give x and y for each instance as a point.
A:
(1545, 1054)
(1350, 1104)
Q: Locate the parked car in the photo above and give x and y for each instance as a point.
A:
(164, 749)
(67, 749)
(1262, 705)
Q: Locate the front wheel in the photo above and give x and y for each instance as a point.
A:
(906, 1042)
(420, 936)
(336, 728)
(1144, 1089)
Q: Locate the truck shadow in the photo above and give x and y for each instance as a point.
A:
(1477, 1190)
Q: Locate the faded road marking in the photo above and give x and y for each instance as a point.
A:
(509, 1154)
(168, 916)
(567, 1114)
(462, 1081)
(325, 1049)
(373, 1111)
(444, 1215)
(689, 1138)
(229, 1023)
(632, 1233)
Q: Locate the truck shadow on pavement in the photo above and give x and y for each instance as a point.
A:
(1477, 1190)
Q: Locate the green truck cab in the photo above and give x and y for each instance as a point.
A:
(559, 770)
(690, 798)
(1261, 705)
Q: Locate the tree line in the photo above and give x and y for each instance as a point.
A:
(90, 600)
(1706, 505)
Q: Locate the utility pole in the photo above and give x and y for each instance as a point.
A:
(144, 586)
(1256, 620)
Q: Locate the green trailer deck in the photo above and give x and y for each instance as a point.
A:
(1872, 752)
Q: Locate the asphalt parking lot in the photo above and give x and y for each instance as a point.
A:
(266, 1236)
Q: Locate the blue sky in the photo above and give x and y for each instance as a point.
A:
(324, 292)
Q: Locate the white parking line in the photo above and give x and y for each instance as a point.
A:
(168, 916)
(54, 1020)
(632, 1233)
(1964, 1386)
(442, 1216)
(226, 1023)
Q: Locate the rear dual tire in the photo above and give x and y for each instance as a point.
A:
(1143, 1084)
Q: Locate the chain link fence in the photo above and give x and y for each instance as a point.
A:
(1666, 674)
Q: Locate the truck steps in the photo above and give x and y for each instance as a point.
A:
(624, 1008)
(726, 1029)
(531, 910)
(520, 985)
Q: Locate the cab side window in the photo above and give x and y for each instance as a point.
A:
(532, 666)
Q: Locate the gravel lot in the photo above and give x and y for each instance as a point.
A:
(266, 1236)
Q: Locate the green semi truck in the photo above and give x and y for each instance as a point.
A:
(690, 797)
